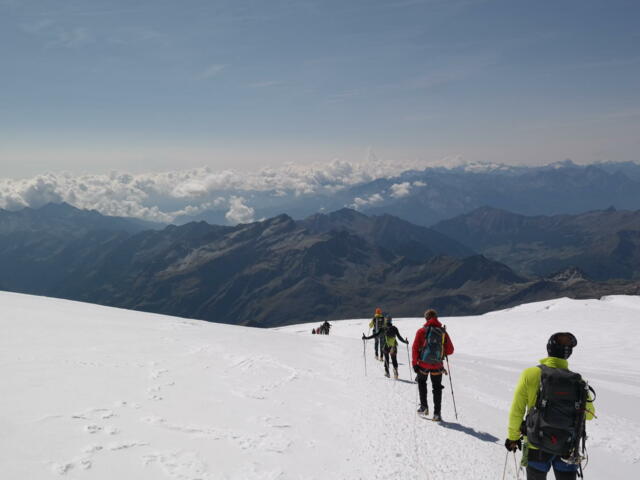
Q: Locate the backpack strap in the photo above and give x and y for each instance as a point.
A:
(540, 403)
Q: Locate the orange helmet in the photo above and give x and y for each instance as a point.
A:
(378, 311)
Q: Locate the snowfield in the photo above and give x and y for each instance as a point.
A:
(91, 392)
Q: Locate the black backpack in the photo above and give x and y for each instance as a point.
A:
(556, 424)
(432, 350)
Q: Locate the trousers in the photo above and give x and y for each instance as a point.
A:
(436, 386)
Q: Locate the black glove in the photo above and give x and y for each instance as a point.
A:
(406, 340)
(512, 445)
(416, 368)
(363, 337)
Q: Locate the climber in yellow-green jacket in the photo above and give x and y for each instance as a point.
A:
(377, 323)
(564, 404)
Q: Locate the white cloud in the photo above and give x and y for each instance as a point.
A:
(57, 35)
(238, 211)
(164, 196)
(212, 71)
(399, 190)
(418, 183)
(360, 202)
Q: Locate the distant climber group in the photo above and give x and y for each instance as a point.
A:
(322, 329)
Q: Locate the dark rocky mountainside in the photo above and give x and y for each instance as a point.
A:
(40, 248)
(65, 220)
(387, 231)
(605, 244)
(273, 272)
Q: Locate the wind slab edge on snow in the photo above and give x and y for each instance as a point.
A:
(92, 392)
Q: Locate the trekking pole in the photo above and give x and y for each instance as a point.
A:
(515, 465)
(451, 384)
(364, 354)
(408, 360)
(504, 470)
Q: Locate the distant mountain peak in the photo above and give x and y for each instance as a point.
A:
(347, 213)
(58, 207)
(566, 163)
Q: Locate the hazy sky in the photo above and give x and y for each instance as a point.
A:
(91, 86)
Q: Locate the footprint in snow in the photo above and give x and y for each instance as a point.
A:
(180, 465)
(126, 445)
(92, 449)
(61, 468)
(155, 374)
(92, 428)
(65, 467)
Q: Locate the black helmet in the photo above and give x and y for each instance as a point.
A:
(388, 318)
(560, 345)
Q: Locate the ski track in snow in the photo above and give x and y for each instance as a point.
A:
(133, 395)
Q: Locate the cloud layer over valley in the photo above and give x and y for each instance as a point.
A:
(167, 196)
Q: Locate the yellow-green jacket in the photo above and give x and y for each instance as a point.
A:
(524, 398)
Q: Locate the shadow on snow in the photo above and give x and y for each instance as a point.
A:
(484, 436)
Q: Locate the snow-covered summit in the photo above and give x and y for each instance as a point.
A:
(92, 392)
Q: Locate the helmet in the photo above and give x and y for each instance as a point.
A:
(560, 345)
(388, 319)
(378, 311)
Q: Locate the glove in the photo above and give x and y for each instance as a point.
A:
(406, 340)
(512, 445)
(416, 368)
(363, 337)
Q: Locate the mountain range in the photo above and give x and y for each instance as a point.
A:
(604, 244)
(267, 273)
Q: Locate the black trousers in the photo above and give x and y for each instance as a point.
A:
(393, 353)
(436, 386)
(377, 346)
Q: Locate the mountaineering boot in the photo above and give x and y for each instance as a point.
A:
(437, 417)
(395, 373)
(386, 373)
(423, 410)
(376, 356)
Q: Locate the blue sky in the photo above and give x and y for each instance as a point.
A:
(89, 86)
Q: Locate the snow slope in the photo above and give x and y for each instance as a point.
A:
(90, 392)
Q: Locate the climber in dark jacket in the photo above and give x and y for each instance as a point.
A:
(389, 336)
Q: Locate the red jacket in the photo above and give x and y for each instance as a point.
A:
(419, 341)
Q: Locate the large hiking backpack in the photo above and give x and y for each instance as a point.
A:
(432, 350)
(556, 424)
(378, 323)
